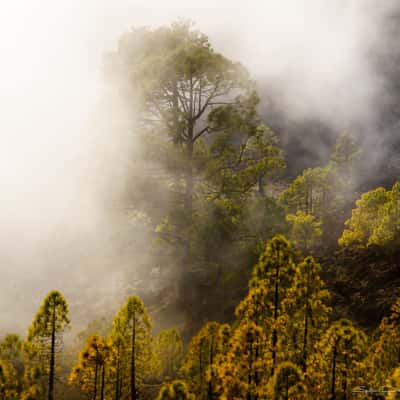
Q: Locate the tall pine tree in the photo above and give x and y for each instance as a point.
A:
(44, 339)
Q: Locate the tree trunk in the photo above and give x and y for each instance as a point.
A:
(333, 388)
(120, 386)
(133, 361)
(201, 363)
(306, 316)
(95, 381)
(307, 207)
(188, 206)
(287, 386)
(211, 360)
(103, 374)
(344, 385)
(188, 202)
(305, 340)
(117, 380)
(261, 189)
(249, 377)
(52, 353)
(276, 308)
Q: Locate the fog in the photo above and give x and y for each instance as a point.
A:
(63, 134)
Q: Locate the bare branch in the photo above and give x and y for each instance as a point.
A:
(197, 135)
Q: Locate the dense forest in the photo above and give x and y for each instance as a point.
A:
(274, 275)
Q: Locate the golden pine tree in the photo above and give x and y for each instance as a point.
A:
(202, 352)
(243, 371)
(8, 381)
(176, 390)
(43, 342)
(271, 278)
(287, 383)
(90, 372)
(169, 352)
(132, 346)
(384, 352)
(337, 365)
(306, 311)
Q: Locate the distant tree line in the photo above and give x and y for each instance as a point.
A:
(282, 344)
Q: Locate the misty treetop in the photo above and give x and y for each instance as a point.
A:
(198, 123)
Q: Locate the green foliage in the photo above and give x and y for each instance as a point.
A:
(274, 272)
(310, 192)
(337, 363)
(280, 347)
(287, 383)
(394, 382)
(307, 311)
(12, 355)
(324, 192)
(202, 352)
(89, 374)
(100, 327)
(133, 359)
(234, 171)
(278, 254)
(169, 352)
(52, 315)
(43, 341)
(8, 381)
(344, 155)
(10, 347)
(375, 220)
(176, 390)
(384, 352)
(200, 129)
(305, 230)
(242, 372)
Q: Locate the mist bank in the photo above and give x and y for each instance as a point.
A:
(66, 139)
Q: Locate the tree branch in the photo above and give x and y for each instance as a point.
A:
(197, 135)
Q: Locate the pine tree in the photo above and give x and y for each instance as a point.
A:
(310, 192)
(345, 154)
(271, 279)
(202, 352)
(384, 352)
(8, 381)
(324, 192)
(132, 332)
(10, 347)
(287, 383)
(11, 351)
(307, 311)
(198, 122)
(305, 230)
(176, 390)
(394, 382)
(387, 231)
(169, 351)
(118, 360)
(364, 218)
(44, 340)
(337, 363)
(242, 372)
(90, 372)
